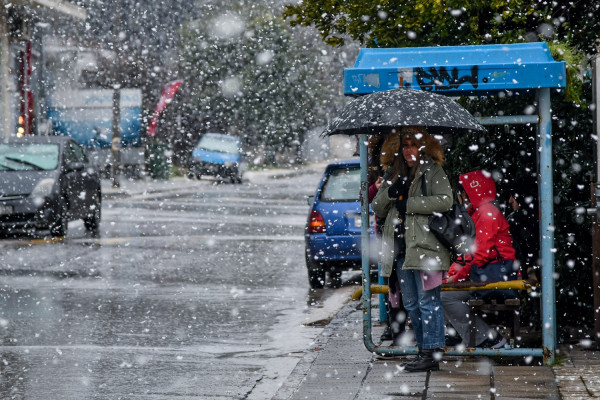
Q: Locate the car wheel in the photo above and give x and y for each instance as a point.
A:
(92, 222)
(238, 177)
(59, 226)
(235, 176)
(316, 275)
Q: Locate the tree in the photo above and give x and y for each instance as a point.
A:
(570, 29)
(249, 74)
(408, 23)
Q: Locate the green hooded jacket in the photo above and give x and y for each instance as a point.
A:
(423, 250)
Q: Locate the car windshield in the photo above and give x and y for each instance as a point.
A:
(342, 185)
(28, 156)
(220, 144)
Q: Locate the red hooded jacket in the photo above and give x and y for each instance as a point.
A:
(492, 238)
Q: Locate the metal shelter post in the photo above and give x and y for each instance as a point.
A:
(364, 233)
(547, 225)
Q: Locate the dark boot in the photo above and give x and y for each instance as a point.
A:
(387, 334)
(417, 358)
(425, 361)
(397, 328)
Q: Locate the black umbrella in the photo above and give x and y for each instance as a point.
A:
(379, 112)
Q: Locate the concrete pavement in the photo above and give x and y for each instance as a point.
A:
(339, 367)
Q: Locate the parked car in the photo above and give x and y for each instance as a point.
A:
(218, 155)
(45, 182)
(333, 230)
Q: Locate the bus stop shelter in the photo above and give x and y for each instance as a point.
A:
(484, 70)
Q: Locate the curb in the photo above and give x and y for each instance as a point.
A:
(302, 369)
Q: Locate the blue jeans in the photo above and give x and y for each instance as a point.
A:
(424, 308)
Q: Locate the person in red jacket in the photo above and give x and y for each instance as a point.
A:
(492, 259)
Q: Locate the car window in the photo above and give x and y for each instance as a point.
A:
(69, 154)
(220, 144)
(342, 184)
(79, 153)
(28, 156)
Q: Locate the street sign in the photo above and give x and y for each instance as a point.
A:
(116, 144)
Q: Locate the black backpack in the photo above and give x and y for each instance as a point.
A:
(454, 229)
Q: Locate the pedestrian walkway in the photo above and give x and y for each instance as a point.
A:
(338, 366)
(578, 377)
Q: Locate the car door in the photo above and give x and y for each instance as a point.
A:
(72, 181)
(90, 178)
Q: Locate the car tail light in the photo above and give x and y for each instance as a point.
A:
(316, 223)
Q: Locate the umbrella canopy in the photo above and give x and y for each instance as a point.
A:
(379, 112)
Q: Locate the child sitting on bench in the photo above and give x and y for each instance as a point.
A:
(493, 259)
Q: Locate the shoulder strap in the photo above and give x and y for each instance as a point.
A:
(423, 185)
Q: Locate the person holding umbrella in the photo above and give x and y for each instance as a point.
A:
(385, 155)
(406, 208)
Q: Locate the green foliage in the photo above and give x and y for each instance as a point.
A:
(412, 23)
(575, 63)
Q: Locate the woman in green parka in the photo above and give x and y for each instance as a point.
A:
(407, 210)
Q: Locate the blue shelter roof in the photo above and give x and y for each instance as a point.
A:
(456, 70)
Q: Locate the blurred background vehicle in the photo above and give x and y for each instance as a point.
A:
(45, 182)
(218, 155)
(333, 230)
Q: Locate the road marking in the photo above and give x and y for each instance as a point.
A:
(48, 240)
(206, 238)
(123, 240)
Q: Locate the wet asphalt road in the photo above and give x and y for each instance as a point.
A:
(196, 292)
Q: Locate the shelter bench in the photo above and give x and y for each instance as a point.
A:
(478, 305)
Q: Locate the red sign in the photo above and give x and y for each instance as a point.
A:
(165, 98)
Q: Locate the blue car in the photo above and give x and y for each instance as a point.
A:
(333, 230)
(218, 155)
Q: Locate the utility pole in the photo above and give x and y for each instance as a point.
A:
(116, 123)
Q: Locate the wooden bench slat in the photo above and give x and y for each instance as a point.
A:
(512, 302)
